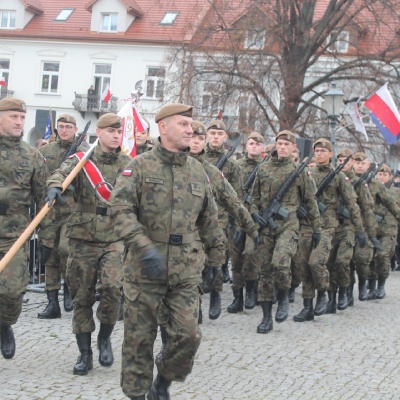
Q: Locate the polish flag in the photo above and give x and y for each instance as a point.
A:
(106, 96)
(2, 81)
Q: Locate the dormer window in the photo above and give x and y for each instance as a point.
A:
(169, 18)
(255, 39)
(341, 44)
(7, 19)
(109, 22)
(64, 14)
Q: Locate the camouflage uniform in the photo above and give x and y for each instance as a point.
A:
(164, 195)
(23, 174)
(95, 250)
(142, 149)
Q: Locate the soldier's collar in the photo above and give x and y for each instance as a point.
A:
(199, 157)
(10, 141)
(219, 150)
(171, 157)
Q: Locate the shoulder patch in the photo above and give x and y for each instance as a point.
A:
(347, 179)
(366, 185)
(127, 172)
(309, 173)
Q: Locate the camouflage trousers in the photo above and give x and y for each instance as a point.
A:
(314, 273)
(219, 282)
(339, 258)
(13, 281)
(90, 267)
(57, 263)
(142, 302)
(274, 256)
(360, 262)
(380, 264)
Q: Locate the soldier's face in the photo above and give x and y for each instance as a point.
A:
(254, 148)
(348, 166)
(66, 131)
(176, 132)
(361, 166)
(322, 155)
(384, 177)
(109, 138)
(284, 148)
(197, 144)
(12, 123)
(216, 137)
(141, 138)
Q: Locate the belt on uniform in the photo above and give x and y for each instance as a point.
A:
(91, 209)
(172, 238)
(5, 210)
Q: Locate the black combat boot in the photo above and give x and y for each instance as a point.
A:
(159, 389)
(372, 289)
(225, 273)
(67, 299)
(266, 323)
(380, 293)
(342, 299)
(237, 304)
(142, 397)
(85, 360)
(164, 338)
(200, 318)
(292, 293)
(331, 307)
(362, 289)
(350, 297)
(251, 294)
(283, 305)
(121, 308)
(215, 304)
(307, 313)
(106, 357)
(52, 309)
(321, 304)
(7, 341)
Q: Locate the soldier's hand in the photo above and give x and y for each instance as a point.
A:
(153, 263)
(257, 218)
(210, 277)
(361, 238)
(45, 253)
(54, 194)
(257, 241)
(302, 212)
(315, 239)
(238, 236)
(375, 243)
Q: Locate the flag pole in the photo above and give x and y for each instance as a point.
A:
(52, 136)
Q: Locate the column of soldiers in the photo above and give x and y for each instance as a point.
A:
(158, 227)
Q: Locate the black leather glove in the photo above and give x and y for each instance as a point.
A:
(153, 263)
(44, 254)
(375, 243)
(257, 241)
(315, 239)
(238, 236)
(257, 218)
(361, 238)
(210, 277)
(54, 194)
(302, 212)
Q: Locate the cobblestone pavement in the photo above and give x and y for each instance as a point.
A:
(354, 354)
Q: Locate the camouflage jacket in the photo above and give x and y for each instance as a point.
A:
(366, 204)
(23, 175)
(340, 188)
(271, 176)
(227, 199)
(386, 209)
(84, 223)
(247, 166)
(142, 149)
(163, 198)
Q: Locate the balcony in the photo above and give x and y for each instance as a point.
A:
(87, 103)
(6, 93)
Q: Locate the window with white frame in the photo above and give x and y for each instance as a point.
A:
(254, 39)
(7, 19)
(155, 82)
(109, 22)
(210, 99)
(4, 70)
(50, 76)
(341, 44)
(64, 14)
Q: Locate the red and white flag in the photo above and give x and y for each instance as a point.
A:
(106, 96)
(357, 120)
(2, 81)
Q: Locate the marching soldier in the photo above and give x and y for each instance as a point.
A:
(161, 203)
(23, 174)
(57, 248)
(279, 245)
(95, 258)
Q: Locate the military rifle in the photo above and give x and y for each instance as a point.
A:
(274, 207)
(363, 177)
(222, 160)
(252, 176)
(327, 180)
(389, 183)
(77, 142)
(373, 174)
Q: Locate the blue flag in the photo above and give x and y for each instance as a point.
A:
(47, 133)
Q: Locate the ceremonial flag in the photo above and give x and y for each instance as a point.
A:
(106, 96)
(2, 81)
(48, 130)
(357, 120)
(384, 113)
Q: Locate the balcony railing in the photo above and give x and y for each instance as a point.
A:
(6, 93)
(92, 103)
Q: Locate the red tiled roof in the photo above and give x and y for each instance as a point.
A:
(130, 5)
(34, 5)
